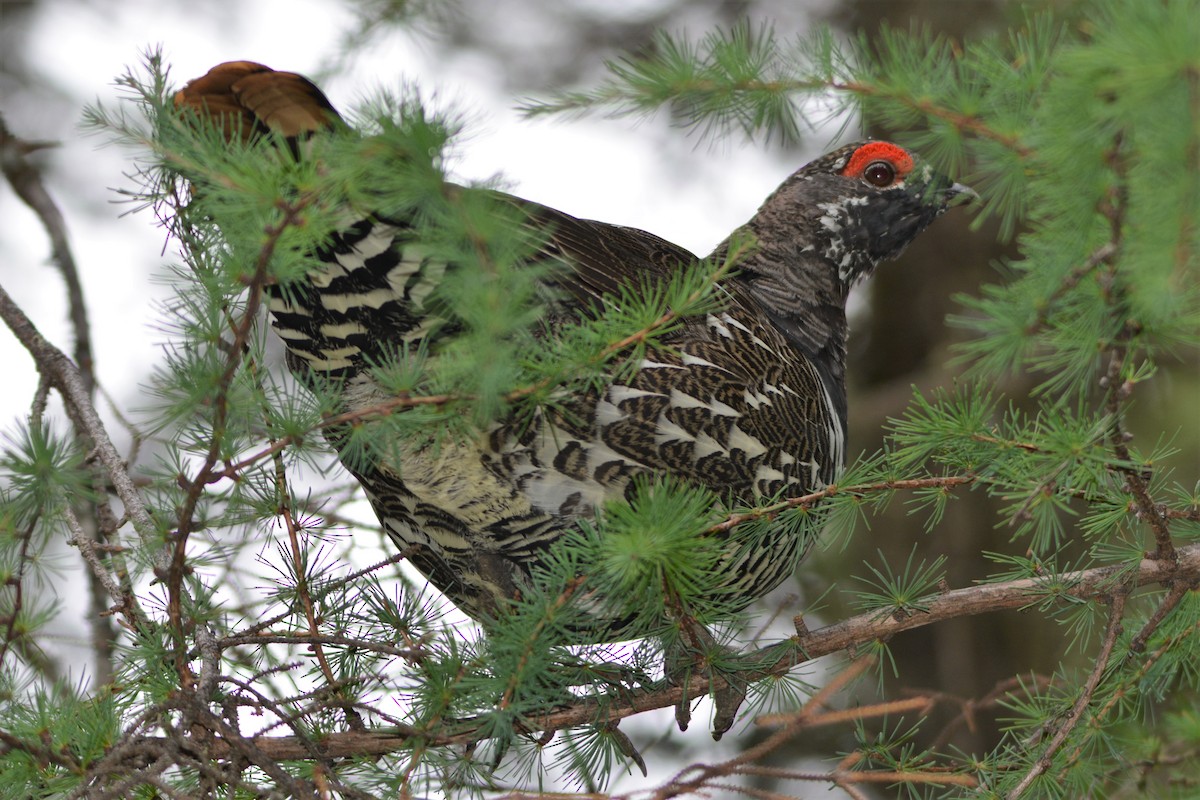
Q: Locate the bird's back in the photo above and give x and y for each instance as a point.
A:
(722, 401)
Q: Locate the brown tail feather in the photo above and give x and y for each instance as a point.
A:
(251, 99)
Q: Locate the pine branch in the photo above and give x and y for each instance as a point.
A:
(812, 498)
(972, 124)
(1127, 687)
(745, 77)
(1102, 255)
(773, 660)
(284, 511)
(1114, 208)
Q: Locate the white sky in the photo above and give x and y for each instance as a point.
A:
(616, 171)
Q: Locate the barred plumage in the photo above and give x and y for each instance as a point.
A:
(748, 401)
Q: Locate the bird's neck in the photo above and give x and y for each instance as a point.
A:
(804, 296)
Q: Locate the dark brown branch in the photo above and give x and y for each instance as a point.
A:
(45, 753)
(1179, 590)
(699, 777)
(1190, 514)
(17, 583)
(1137, 479)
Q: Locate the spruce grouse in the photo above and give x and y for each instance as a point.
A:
(748, 401)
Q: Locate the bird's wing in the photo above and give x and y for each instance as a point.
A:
(604, 258)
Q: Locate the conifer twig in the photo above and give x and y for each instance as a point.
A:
(284, 510)
(772, 660)
(61, 373)
(812, 498)
(194, 489)
(1075, 715)
(26, 180)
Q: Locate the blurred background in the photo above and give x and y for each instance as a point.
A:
(483, 57)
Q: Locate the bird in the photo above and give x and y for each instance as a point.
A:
(747, 400)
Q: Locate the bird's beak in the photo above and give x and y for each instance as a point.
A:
(960, 194)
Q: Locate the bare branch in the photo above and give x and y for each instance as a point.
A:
(121, 592)
(26, 181)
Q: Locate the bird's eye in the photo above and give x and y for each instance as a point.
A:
(879, 173)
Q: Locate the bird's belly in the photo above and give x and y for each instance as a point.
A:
(453, 476)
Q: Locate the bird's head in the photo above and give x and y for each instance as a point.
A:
(857, 206)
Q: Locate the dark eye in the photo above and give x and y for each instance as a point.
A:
(879, 173)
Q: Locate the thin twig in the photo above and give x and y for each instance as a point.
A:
(1075, 715)
(1117, 390)
(17, 583)
(1101, 255)
(965, 123)
(122, 595)
(313, 639)
(811, 499)
(353, 719)
(1171, 645)
(1179, 590)
(26, 181)
(194, 489)
(64, 376)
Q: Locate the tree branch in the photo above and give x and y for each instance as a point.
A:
(773, 660)
(26, 180)
(194, 489)
(1113, 208)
